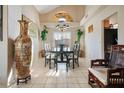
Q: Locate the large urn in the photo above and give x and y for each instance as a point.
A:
(23, 49)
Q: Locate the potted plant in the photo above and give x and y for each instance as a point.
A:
(79, 34)
(44, 33)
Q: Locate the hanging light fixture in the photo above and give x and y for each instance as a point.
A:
(63, 17)
(62, 26)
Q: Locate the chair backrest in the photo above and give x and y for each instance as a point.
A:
(47, 47)
(76, 49)
(120, 59)
(115, 51)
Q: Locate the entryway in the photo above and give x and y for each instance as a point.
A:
(110, 34)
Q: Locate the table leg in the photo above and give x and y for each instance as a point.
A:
(49, 64)
(73, 61)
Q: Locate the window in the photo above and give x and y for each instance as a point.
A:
(62, 35)
(62, 38)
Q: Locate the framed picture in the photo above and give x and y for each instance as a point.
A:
(90, 28)
(1, 23)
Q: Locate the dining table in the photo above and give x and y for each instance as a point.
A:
(62, 49)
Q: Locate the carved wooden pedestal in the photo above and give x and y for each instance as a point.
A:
(23, 80)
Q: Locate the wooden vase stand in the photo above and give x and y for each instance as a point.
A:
(23, 80)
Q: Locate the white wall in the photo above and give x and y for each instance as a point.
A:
(14, 14)
(94, 41)
(121, 25)
(3, 51)
(90, 10)
(31, 12)
(113, 19)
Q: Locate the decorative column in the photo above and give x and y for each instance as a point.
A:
(23, 45)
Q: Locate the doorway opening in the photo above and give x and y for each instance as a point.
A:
(110, 34)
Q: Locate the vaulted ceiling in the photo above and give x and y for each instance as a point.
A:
(48, 12)
(45, 8)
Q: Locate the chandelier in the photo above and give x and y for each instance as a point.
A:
(63, 17)
(62, 26)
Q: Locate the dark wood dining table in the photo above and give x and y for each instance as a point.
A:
(62, 50)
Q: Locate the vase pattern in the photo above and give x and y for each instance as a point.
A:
(23, 47)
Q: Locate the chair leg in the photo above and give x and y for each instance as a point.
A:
(49, 64)
(45, 62)
(54, 64)
(67, 64)
(74, 60)
(73, 63)
(56, 67)
(78, 62)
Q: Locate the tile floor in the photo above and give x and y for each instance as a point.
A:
(43, 77)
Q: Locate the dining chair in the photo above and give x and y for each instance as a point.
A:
(48, 55)
(75, 54)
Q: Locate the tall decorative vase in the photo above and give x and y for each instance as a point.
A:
(23, 53)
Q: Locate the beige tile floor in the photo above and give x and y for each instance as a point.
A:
(43, 77)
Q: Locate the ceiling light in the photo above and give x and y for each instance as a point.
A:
(62, 19)
(62, 26)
